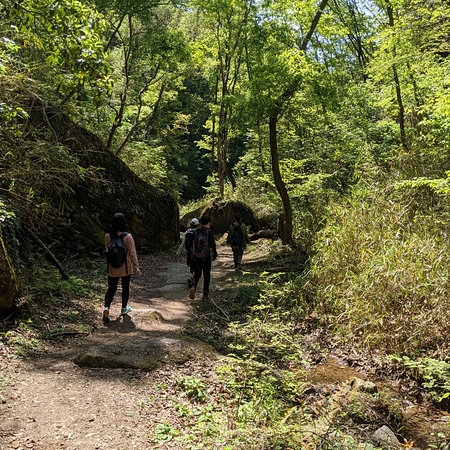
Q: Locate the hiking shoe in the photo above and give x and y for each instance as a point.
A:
(105, 317)
(192, 293)
(126, 310)
(205, 296)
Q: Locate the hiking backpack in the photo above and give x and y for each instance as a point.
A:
(189, 237)
(237, 238)
(200, 246)
(116, 253)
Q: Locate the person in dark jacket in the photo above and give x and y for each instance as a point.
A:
(202, 263)
(187, 244)
(238, 238)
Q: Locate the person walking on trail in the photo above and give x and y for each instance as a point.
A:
(203, 253)
(122, 263)
(187, 244)
(238, 238)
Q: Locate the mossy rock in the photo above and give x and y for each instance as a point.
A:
(222, 215)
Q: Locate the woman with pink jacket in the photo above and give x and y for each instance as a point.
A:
(124, 272)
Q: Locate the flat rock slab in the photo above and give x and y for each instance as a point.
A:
(146, 355)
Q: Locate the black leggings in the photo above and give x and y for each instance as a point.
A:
(238, 253)
(112, 288)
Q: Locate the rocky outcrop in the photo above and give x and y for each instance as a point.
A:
(152, 214)
(222, 215)
(146, 355)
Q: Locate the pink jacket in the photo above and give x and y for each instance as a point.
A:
(132, 262)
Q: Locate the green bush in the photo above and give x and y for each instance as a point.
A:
(380, 273)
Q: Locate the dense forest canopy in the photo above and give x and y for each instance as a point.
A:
(290, 102)
(329, 118)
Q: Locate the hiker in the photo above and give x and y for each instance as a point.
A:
(130, 265)
(187, 244)
(203, 253)
(238, 238)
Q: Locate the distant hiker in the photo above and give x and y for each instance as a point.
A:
(119, 245)
(203, 253)
(187, 244)
(238, 239)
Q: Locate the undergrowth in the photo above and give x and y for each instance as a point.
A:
(264, 393)
(53, 307)
(380, 273)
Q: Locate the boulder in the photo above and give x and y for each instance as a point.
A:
(146, 355)
(222, 215)
(185, 221)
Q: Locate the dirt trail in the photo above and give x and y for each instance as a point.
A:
(52, 403)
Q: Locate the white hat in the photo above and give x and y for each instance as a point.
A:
(194, 221)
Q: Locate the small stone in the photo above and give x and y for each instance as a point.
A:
(363, 386)
(385, 435)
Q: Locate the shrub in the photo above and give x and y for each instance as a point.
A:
(380, 273)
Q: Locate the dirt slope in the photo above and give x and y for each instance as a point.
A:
(52, 403)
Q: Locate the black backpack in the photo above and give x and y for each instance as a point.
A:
(237, 238)
(200, 245)
(116, 253)
(189, 237)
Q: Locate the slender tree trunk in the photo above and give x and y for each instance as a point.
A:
(213, 130)
(222, 142)
(228, 54)
(138, 114)
(285, 225)
(260, 148)
(118, 119)
(398, 91)
(285, 219)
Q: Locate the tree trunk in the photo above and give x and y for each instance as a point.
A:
(285, 226)
(222, 142)
(398, 92)
(118, 119)
(285, 219)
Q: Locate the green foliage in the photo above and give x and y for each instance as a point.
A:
(52, 306)
(379, 276)
(36, 172)
(165, 433)
(24, 338)
(68, 35)
(48, 282)
(433, 374)
(194, 388)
